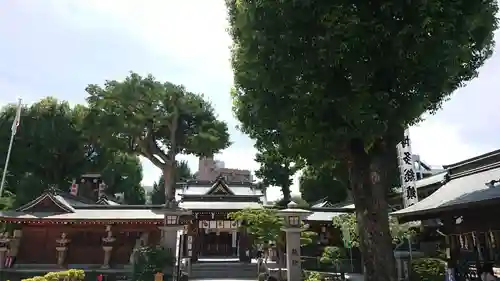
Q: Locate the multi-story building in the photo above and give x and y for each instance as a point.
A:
(209, 169)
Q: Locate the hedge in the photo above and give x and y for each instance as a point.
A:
(428, 269)
(69, 275)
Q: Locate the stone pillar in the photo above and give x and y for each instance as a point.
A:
(234, 245)
(15, 242)
(293, 217)
(243, 246)
(62, 249)
(4, 242)
(169, 232)
(107, 246)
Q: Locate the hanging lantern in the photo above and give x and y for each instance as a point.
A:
(74, 188)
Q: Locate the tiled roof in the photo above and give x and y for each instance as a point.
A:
(88, 214)
(323, 216)
(434, 179)
(214, 205)
(457, 193)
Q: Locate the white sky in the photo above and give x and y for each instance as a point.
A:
(57, 47)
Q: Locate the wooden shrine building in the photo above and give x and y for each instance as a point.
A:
(98, 233)
(466, 208)
(211, 233)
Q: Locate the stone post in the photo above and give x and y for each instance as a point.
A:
(62, 249)
(107, 246)
(4, 242)
(293, 217)
(169, 231)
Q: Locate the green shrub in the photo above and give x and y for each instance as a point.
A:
(70, 275)
(151, 260)
(428, 269)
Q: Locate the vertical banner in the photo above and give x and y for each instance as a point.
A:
(407, 171)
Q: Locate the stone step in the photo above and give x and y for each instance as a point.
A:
(223, 271)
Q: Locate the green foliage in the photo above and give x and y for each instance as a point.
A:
(69, 275)
(347, 223)
(329, 181)
(276, 168)
(40, 160)
(313, 276)
(391, 62)
(340, 81)
(428, 269)
(151, 260)
(333, 255)
(182, 173)
(265, 226)
(156, 120)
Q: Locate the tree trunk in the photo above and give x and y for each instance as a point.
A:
(369, 185)
(169, 182)
(285, 189)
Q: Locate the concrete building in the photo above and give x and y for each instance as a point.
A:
(209, 169)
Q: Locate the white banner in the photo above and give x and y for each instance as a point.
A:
(407, 171)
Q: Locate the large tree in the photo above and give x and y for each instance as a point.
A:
(156, 120)
(182, 173)
(325, 181)
(276, 169)
(342, 80)
(50, 149)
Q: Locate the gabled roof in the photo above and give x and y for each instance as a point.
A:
(220, 187)
(323, 203)
(46, 200)
(203, 188)
(105, 201)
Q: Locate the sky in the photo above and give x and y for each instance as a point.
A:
(55, 48)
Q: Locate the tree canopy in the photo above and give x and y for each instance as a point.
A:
(347, 223)
(265, 226)
(157, 120)
(51, 149)
(276, 169)
(325, 181)
(340, 81)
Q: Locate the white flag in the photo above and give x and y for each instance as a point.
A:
(17, 119)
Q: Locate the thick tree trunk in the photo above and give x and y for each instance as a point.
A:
(285, 189)
(369, 184)
(169, 182)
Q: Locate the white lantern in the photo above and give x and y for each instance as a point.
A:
(171, 220)
(294, 221)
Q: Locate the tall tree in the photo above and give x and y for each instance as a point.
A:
(50, 149)
(324, 181)
(156, 120)
(182, 173)
(341, 80)
(123, 174)
(277, 169)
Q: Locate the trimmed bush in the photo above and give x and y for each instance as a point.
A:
(68, 275)
(428, 269)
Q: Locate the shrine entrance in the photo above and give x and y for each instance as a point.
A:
(217, 244)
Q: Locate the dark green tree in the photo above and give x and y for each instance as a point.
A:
(156, 120)
(50, 149)
(340, 81)
(276, 169)
(182, 173)
(123, 174)
(324, 181)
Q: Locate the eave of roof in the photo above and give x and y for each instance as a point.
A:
(467, 190)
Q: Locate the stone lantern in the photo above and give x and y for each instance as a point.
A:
(171, 227)
(293, 218)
